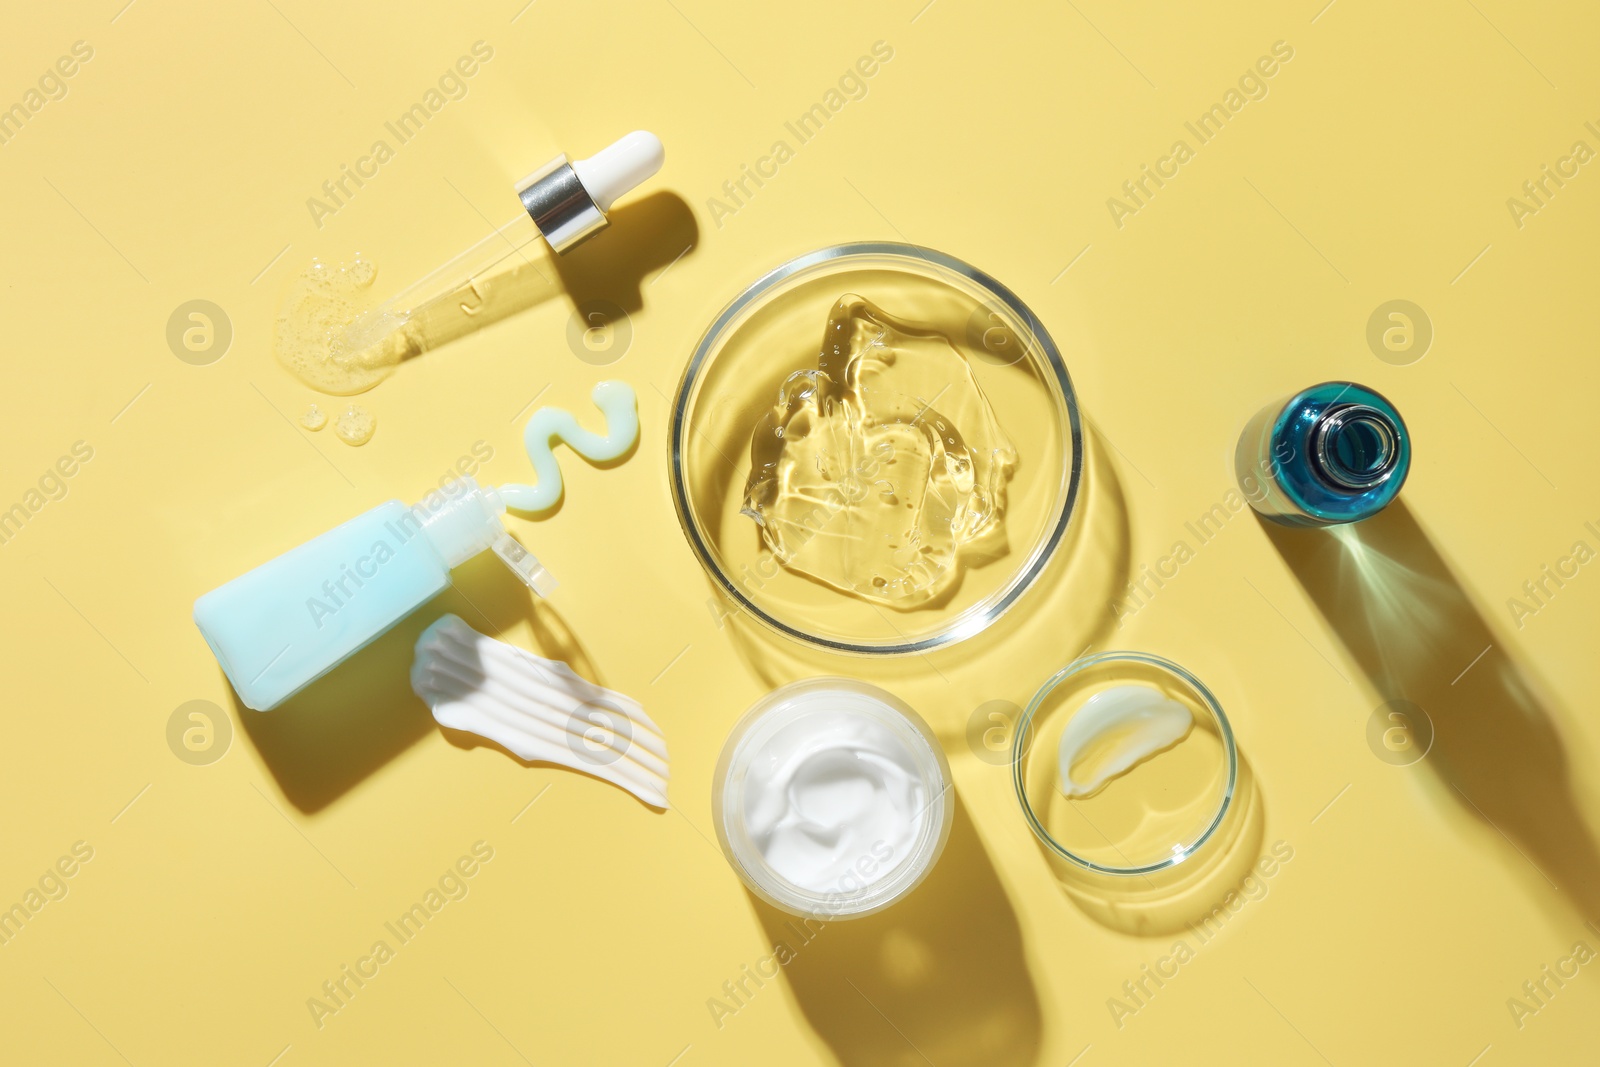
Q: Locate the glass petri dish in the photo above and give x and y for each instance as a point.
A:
(774, 329)
(1151, 817)
(792, 753)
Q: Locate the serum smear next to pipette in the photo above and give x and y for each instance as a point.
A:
(309, 340)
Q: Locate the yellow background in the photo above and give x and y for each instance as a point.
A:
(220, 897)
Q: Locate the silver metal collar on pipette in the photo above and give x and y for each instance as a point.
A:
(560, 206)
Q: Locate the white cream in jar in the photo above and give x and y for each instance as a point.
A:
(832, 798)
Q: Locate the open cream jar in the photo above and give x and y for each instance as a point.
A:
(832, 798)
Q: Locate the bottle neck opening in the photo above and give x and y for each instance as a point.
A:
(1355, 447)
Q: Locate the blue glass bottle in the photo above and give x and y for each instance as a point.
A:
(1334, 453)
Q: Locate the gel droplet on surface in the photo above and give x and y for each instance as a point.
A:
(362, 272)
(314, 418)
(355, 425)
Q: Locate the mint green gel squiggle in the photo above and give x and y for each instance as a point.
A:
(620, 407)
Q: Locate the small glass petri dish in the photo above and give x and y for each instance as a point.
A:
(774, 329)
(1155, 814)
(832, 798)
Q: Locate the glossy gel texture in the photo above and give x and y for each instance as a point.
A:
(309, 338)
(877, 471)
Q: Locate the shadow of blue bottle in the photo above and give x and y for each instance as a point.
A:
(1331, 454)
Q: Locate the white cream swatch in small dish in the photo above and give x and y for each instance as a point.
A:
(539, 709)
(1115, 731)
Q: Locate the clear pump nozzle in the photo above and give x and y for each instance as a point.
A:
(523, 564)
(467, 522)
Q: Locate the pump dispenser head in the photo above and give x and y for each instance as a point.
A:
(569, 201)
(467, 522)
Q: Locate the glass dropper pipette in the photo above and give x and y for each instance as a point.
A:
(564, 203)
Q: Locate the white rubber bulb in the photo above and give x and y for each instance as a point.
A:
(621, 166)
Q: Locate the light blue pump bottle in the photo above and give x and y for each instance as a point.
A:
(1334, 453)
(280, 627)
